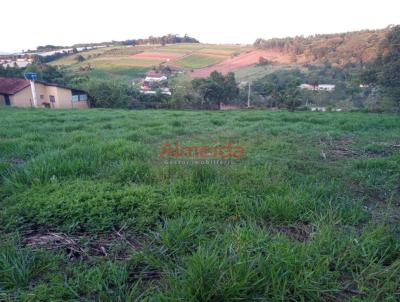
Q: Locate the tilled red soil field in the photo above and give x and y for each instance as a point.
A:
(240, 61)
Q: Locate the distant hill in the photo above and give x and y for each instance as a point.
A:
(130, 59)
(166, 39)
(339, 49)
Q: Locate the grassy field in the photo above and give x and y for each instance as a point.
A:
(198, 61)
(88, 212)
(254, 72)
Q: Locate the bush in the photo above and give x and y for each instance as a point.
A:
(109, 94)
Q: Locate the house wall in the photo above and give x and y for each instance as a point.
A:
(62, 96)
(2, 100)
(81, 105)
(41, 91)
(22, 98)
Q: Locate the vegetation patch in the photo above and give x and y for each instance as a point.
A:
(89, 212)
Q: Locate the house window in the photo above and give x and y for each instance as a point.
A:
(83, 97)
(75, 98)
(52, 99)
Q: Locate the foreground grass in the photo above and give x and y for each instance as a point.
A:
(88, 212)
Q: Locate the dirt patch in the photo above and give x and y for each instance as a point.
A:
(17, 161)
(337, 149)
(145, 273)
(350, 289)
(243, 60)
(301, 232)
(344, 148)
(118, 244)
(56, 241)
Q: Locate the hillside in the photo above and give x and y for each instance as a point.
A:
(356, 47)
(129, 61)
(199, 60)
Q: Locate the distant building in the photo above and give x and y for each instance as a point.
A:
(154, 76)
(320, 109)
(307, 87)
(163, 90)
(17, 93)
(326, 87)
(223, 106)
(19, 63)
(321, 87)
(155, 81)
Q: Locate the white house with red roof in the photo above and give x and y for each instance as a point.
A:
(154, 76)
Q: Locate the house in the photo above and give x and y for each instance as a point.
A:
(307, 87)
(321, 87)
(18, 93)
(155, 81)
(319, 109)
(326, 87)
(163, 90)
(223, 106)
(19, 63)
(154, 76)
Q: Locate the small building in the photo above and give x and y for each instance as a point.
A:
(321, 87)
(326, 87)
(18, 93)
(307, 87)
(154, 76)
(319, 109)
(223, 106)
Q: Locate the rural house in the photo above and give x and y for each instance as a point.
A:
(321, 87)
(155, 81)
(154, 76)
(17, 93)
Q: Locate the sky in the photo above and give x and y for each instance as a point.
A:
(28, 24)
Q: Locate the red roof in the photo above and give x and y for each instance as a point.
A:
(154, 74)
(12, 85)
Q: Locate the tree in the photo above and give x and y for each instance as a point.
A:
(216, 88)
(263, 61)
(290, 96)
(79, 58)
(384, 72)
(109, 94)
(47, 73)
(280, 88)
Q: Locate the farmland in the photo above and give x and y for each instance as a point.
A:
(183, 56)
(89, 212)
(196, 60)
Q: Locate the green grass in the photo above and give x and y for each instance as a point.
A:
(196, 61)
(254, 72)
(125, 74)
(309, 214)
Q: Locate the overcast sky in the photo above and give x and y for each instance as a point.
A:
(26, 24)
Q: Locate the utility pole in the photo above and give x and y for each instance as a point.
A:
(31, 77)
(33, 93)
(248, 96)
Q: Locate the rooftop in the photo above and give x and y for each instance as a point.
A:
(11, 86)
(154, 74)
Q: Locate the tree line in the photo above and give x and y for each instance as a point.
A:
(353, 47)
(166, 39)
